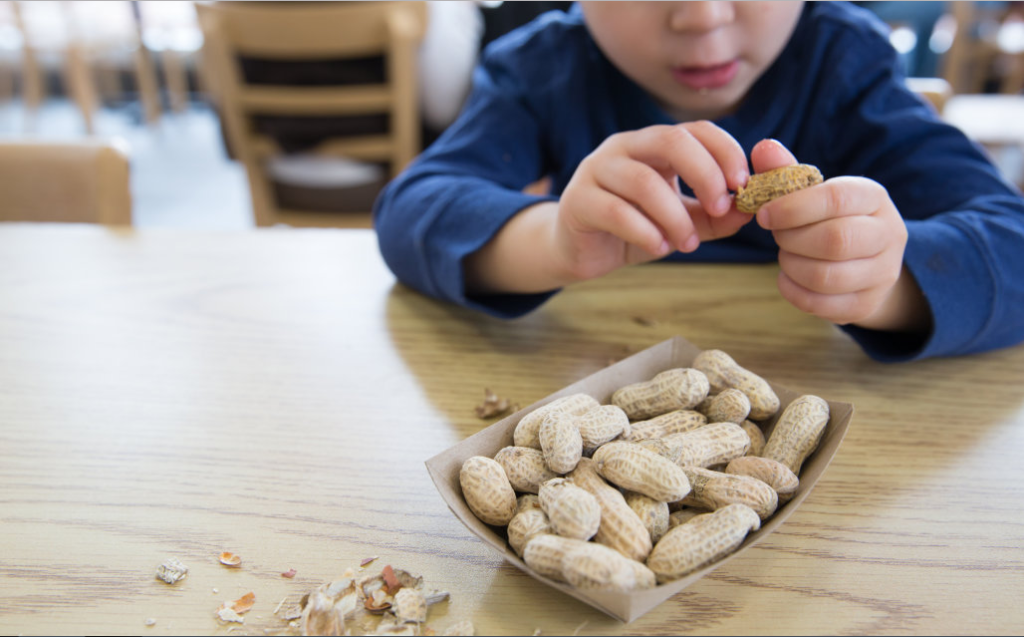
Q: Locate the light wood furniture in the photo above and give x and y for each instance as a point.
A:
(275, 394)
(934, 89)
(86, 182)
(984, 38)
(313, 31)
(86, 41)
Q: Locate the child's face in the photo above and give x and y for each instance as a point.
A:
(698, 59)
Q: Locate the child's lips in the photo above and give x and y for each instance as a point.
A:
(706, 77)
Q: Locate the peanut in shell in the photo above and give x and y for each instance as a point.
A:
(772, 184)
(703, 540)
(487, 490)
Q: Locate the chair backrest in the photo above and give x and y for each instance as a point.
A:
(83, 182)
(313, 32)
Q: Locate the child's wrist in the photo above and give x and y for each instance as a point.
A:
(904, 310)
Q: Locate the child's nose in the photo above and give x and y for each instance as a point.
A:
(700, 16)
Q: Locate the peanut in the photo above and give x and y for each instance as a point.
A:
(663, 448)
(600, 425)
(487, 490)
(775, 474)
(527, 430)
(525, 468)
(674, 422)
(653, 514)
(712, 444)
(635, 468)
(561, 442)
(545, 553)
(573, 512)
(526, 502)
(684, 515)
(797, 432)
(703, 540)
(723, 372)
(763, 187)
(716, 490)
(620, 529)
(756, 437)
(526, 525)
(597, 567)
(731, 405)
(672, 389)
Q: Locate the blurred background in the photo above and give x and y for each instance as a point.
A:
(231, 115)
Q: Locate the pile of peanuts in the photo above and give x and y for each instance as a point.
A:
(668, 478)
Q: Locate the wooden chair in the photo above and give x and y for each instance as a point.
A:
(83, 182)
(987, 46)
(84, 41)
(314, 31)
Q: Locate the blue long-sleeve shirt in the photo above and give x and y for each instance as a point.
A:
(545, 97)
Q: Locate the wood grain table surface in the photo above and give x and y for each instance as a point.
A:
(275, 394)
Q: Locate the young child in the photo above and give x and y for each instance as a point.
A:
(643, 114)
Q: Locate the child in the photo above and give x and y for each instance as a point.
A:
(914, 244)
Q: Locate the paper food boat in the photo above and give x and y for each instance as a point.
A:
(676, 352)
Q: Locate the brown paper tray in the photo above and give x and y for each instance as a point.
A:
(676, 352)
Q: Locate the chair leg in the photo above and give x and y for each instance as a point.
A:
(177, 80)
(80, 85)
(33, 84)
(263, 202)
(146, 82)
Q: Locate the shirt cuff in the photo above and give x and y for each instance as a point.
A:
(501, 206)
(957, 282)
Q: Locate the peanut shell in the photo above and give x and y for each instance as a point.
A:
(676, 421)
(703, 540)
(681, 388)
(723, 372)
(634, 468)
(620, 529)
(715, 490)
(560, 442)
(487, 490)
(526, 433)
(772, 184)
(797, 432)
(525, 468)
(573, 511)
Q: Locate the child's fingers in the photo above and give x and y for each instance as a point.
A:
(618, 217)
(837, 308)
(647, 190)
(837, 277)
(676, 149)
(769, 154)
(725, 149)
(840, 239)
(709, 228)
(837, 197)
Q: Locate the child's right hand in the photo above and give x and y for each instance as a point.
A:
(623, 205)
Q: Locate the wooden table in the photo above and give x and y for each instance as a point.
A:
(275, 393)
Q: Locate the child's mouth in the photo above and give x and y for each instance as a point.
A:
(706, 77)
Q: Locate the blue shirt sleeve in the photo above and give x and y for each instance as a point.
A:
(460, 192)
(965, 222)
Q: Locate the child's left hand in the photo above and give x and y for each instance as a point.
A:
(841, 248)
